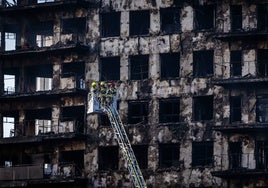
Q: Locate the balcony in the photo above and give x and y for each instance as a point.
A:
(32, 131)
(10, 7)
(45, 173)
(241, 165)
(242, 128)
(252, 72)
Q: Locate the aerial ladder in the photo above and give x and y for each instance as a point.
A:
(103, 98)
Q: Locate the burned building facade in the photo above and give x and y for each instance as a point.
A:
(191, 76)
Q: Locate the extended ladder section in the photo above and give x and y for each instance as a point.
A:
(106, 102)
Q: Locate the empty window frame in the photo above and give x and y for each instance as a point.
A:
(235, 155)
(141, 154)
(170, 65)
(76, 70)
(169, 155)
(202, 154)
(72, 118)
(262, 17)
(71, 162)
(9, 84)
(43, 32)
(204, 17)
(170, 20)
(10, 41)
(261, 154)
(235, 109)
(236, 63)
(138, 112)
(236, 17)
(104, 120)
(139, 22)
(43, 84)
(110, 24)
(203, 63)
(203, 108)
(262, 62)
(169, 110)
(262, 109)
(110, 68)
(38, 121)
(108, 158)
(139, 67)
(8, 127)
(74, 25)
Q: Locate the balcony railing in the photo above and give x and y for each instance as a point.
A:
(44, 171)
(241, 164)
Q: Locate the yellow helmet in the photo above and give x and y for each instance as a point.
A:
(93, 84)
(102, 83)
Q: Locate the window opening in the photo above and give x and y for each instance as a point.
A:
(139, 67)
(169, 110)
(236, 63)
(169, 155)
(10, 41)
(170, 20)
(236, 17)
(170, 65)
(110, 24)
(262, 17)
(262, 154)
(72, 119)
(42, 126)
(203, 63)
(262, 56)
(9, 84)
(71, 162)
(108, 158)
(75, 69)
(203, 108)
(74, 25)
(141, 154)
(202, 154)
(43, 84)
(262, 110)
(235, 155)
(104, 120)
(235, 105)
(8, 127)
(139, 22)
(110, 68)
(204, 17)
(38, 121)
(137, 112)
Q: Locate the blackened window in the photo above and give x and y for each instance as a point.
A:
(139, 67)
(262, 109)
(110, 24)
(170, 20)
(262, 66)
(169, 110)
(236, 17)
(73, 25)
(235, 105)
(262, 17)
(202, 154)
(203, 63)
(236, 66)
(203, 108)
(169, 155)
(110, 68)
(108, 158)
(141, 154)
(139, 22)
(235, 155)
(262, 154)
(104, 120)
(170, 65)
(204, 17)
(72, 69)
(137, 112)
